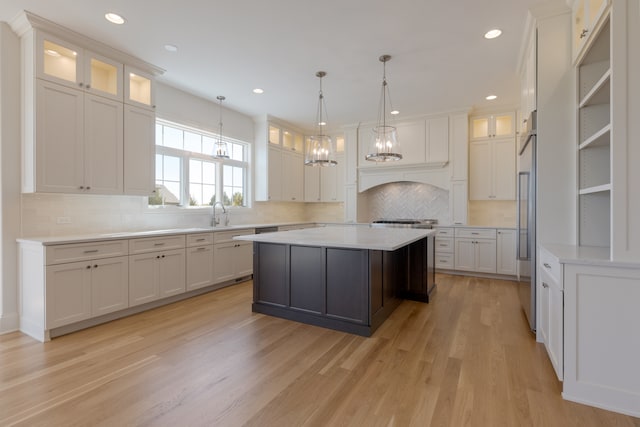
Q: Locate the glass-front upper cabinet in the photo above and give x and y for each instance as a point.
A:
(274, 135)
(493, 126)
(67, 64)
(138, 88)
(292, 141)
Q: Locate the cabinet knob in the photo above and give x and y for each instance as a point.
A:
(88, 86)
(584, 32)
(80, 84)
(546, 265)
(162, 256)
(544, 285)
(88, 267)
(88, 188)
(157, 256)
(82, 187)
(95, 265)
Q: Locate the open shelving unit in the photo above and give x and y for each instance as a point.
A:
(594, 141)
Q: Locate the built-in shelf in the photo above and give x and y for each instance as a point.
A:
(596, 189)
(600, 92)
(599, 139)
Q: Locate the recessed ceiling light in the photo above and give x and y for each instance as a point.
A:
(492, 34)
(491, 97)
(258, 90)
(114, 18)
(394, 112)
(171, 47)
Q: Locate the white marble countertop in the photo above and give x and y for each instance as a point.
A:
(82, 238)
(345, 236)
(585, 255)
(474, 226)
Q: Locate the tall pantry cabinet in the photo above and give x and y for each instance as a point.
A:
(88, 114)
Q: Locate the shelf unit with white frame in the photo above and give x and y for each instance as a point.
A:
(594, 78)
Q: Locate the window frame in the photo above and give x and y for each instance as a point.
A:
(185, 156)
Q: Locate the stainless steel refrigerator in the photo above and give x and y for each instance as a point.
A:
(526, 235)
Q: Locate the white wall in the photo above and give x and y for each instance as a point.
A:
(9, 175)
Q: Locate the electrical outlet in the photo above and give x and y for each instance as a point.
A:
(63, 220)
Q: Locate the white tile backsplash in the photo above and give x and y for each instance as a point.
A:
(407, 200)
(106, 214)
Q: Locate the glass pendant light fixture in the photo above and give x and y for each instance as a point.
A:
(384, 145)
(320, 149)
(220, 150)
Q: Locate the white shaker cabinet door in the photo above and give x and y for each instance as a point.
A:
(109, 285)
(171, 274)
(139, 151)
(59, 139)
(143, 278)
(68, 293)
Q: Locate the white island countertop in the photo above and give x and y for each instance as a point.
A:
(347, 236)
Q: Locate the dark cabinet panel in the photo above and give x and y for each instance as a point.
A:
(377, 288)
(307, 278)
(347, 284)
(271, 272)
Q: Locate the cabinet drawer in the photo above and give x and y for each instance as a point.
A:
(443, 245)
(227, 236)
(444, 261)
(152, 244)
(58, 254)
(444, 232)
(550, 264)
(199, 239)
(476, 233)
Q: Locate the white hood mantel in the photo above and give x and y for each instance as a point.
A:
(435, 175)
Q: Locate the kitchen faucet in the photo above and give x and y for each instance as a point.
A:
(215, 220)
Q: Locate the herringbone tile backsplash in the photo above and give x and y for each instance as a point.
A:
(409, 200)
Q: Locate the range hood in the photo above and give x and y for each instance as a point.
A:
(437, 176)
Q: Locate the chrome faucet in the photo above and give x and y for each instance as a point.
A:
(216, 220)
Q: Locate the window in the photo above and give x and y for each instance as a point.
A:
(188, 175)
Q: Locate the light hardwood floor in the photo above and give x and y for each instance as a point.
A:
(466, 358)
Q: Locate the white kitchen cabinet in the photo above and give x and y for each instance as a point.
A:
(458, 202)
(444, 253)
(139, 88)
(292, 177)
(199, 261)
(506, 252)
(587, 15)
(232, 259)
(80, 141)
(551, 299)
(68, 64)
(79, 290)
(68, 283)
(488, 126)
(155, 275)
(312, 184)
(278, 162)
(492, 169)
(75, 123)
(475, 250)
(139, 151)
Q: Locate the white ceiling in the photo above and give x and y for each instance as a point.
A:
(441, 62)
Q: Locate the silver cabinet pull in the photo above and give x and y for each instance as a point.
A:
(90, 251)
(546, 265)
(200, 240)
(544, 285)
(158, 244)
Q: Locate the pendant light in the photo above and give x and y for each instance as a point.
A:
(220, 150)
(384, 145)
(320, 149)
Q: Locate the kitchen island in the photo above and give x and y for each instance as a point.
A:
(348, 278)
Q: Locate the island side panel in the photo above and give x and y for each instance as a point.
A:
(271, 274)
(348, 284)
(308, 279)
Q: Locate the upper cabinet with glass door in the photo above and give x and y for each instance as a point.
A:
(139, 88)
(67, 64)
(285, 138)
(488, 126)
(587, 15)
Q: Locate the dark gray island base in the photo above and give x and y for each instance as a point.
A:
(348, 289)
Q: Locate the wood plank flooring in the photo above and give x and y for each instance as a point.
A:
(465, 359)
